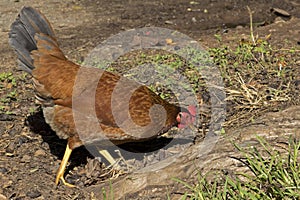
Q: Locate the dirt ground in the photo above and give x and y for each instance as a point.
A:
(30, 156)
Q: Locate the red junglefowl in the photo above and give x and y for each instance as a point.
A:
(54, 78)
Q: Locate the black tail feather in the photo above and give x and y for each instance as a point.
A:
(21, 37)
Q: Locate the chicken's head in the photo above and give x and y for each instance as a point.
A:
(187, 117)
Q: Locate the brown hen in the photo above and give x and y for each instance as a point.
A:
(88, 105)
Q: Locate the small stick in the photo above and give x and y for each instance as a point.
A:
(251, 25)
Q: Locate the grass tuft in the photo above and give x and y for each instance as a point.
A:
(257, 77)
(274, 175)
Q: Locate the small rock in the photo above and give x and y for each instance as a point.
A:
(169, 22)
(176, 48)
(10, 148)
(9, 154)
(33, 193)
(45, 145)
(278, 20)
(72, 180)
(281, 12)
(2, 197)
(7, 184)
(194, 19)
(13, 131)
(297, 83)
(169, 41)
(40, 152)
(3, 170)
(5, 117)
(26, 158)
(194, 2)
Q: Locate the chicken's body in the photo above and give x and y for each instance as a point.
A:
(63, 93)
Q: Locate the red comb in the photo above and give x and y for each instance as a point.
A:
(192, 110)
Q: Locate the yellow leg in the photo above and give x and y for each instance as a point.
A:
(62, 167)
(107, 156)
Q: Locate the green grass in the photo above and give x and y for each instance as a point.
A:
(257, 76)
(8, 91)
(107, 195)
(7, 77)
(274, 175)
(9, 97)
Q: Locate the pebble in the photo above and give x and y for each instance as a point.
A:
(33, 193)
(13, 131)
(45, 145)
(3, 170)
(5, 117)
(281, 12)
(2, 197)
(278, 20)
(169, 22)
(26, 158)
(21, 140)
(40, 152)
(10, 148)
(7, 184)
(176, 48)
(194, 2)
(297, 83)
